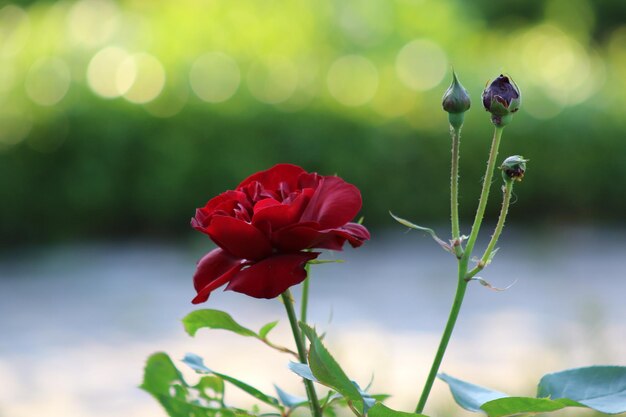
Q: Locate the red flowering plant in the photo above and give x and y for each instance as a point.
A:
(267, 226)
(272, 226)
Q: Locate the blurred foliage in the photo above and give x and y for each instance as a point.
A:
(119, 118)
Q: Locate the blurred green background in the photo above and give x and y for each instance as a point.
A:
(117, 119)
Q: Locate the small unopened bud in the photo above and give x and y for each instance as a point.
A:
(456, 102)
(513, 168)
(502, 98)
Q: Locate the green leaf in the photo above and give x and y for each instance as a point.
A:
(289, 400)
(328, 372)
(160, 374)
(602, 388)
(196, 363)
(469, 396)
(211, 388)
(266, 329)
(380, 410)
(165, 383)
(431, 232)
(214, 319)
(302, 370)
(511, 406)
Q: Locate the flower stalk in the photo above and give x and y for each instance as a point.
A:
(455, 133)
(445, 338)
(314, 403)
(507, 191)
(462, 261)
(304, 302)
(484, 195)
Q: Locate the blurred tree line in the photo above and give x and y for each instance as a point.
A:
(90, 166)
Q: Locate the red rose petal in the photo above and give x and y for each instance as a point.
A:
(223, 204)
(296, 237)
(334, 203)
(272, 177)
(358, 233)
(307, 235)
(239, 238)
(279, 215)
(272, 276)
(226, 199)
(215, 269)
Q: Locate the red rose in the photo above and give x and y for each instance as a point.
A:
(265, 225)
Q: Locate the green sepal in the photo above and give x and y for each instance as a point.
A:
(431, 232)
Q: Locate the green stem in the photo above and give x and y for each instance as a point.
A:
(463, 262)
(455, 133)
(484, 195)
(506, 200)
(293, 320)
(304, 302)
(445, 338)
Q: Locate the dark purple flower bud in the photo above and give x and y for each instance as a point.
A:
(502, 98)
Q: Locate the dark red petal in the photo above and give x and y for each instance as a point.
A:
(272, 276)
(215, 269)
(307, 235)
(279, 215)
(358, 233)
(223, 204)
(272, 177)
(226, 199)
(265, 203)
(334, 203)
(296, 237)
(239, 238)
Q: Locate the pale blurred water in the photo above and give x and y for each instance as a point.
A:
(77, 322)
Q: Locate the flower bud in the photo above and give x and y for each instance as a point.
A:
(513, 168)
(456, 101)
(502, 98)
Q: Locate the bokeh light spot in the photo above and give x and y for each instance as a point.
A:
(92, 22)
(47, 81)
(559, 65)
(392, 99)
(214, 77)
(147, 75)
(366, 23)
(14, 30)
(421, 64)
(352, 80)
(273, 81)
(102, 72)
